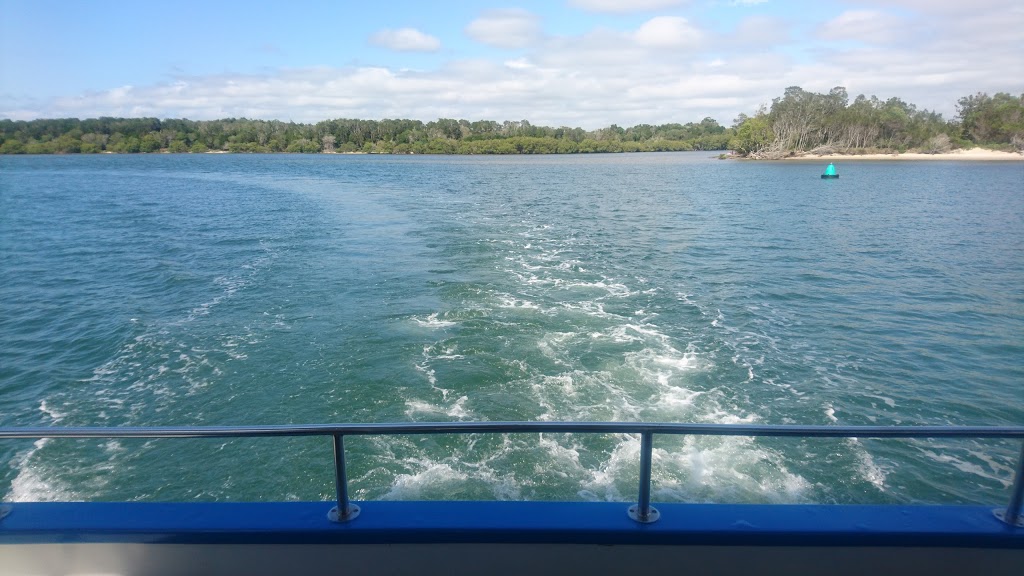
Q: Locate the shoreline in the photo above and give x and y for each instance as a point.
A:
(970, 155)
(973, 154)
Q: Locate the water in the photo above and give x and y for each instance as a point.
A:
(215, 290)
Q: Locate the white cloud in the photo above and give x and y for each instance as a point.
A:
(946, 7)
(869, 26)
(471, 89)
(760, 32)
(605, 76)
(668, 32)
(519, 63)
(405, 40)
(591, 53)
(624, 5)
(511, 28)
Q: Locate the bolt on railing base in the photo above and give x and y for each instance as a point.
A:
(652, 514)
(1001, 514)
(350, 514)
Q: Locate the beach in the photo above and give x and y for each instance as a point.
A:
(974, 154)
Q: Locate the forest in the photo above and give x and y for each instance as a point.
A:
(798, 121)
(443, 136)
(801, 121)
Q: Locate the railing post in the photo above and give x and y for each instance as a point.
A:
(345, 510)
(1013, 514)
(642, 511)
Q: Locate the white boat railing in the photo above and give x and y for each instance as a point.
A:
(642, 511)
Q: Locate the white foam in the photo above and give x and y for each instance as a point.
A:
(589, 307)
(968, 467)
(683, 362)
(54, 415)
(414, 406)
(603, 482)
(678, 399)
(429, 373)
(509, 301)
(442, 350)
(830, 413)
(624, 335)
(561, 382)
(553, 345)
(663, 366)
(438, 351)
(432, 321)
(867, 467)
(614, 289)
(721, 469)
(719, 416)
(456, 410)
(888, 401)
(454, 473)
(719, 318)
(1003, 473)
(32, 484)
(562, 458)
(605, 399)
(650, 378)
(434, 475)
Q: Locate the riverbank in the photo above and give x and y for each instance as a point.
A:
(974, 154)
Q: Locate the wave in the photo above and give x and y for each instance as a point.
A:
(157, 366)
(606, 357)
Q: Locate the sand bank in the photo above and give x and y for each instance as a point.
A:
(972, 154)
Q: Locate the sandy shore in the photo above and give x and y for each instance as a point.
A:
(972, 154)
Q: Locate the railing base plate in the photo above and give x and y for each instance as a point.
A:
(652, 516)
(1001, 514)
(335, 516)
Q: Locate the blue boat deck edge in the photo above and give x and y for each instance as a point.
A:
(506, 522)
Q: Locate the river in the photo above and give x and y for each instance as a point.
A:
(150, 290)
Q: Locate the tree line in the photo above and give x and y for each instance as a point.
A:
(802, 121)
(798, 121)
(443, 136)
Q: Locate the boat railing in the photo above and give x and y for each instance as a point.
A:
(642, 511)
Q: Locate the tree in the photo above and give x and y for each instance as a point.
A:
(988, 119)
(328, 141)
(150, 143)
(753, 136)
(177, 147)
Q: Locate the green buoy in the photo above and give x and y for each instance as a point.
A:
(830, 172)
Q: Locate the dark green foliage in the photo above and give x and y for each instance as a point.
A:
(995, 120)
(797, 121)
(801, 121)
(443, 136)
(753, 135)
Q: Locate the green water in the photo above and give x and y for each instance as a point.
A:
(216, 290)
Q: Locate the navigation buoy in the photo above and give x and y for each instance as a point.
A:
(830, 172)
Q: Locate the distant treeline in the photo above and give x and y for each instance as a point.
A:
(797, 121)
(444, 136)
(801, 121)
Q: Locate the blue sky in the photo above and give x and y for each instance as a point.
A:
(584, 63)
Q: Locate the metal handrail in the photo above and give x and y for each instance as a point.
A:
(641, 512)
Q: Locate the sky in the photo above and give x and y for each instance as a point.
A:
(578, 63)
